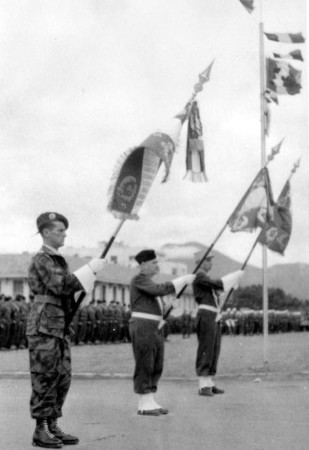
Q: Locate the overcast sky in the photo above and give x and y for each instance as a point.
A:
(82, 81)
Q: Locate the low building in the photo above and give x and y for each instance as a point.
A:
(124, 255)
(113, 283)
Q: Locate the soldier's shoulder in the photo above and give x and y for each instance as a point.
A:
(40, 257)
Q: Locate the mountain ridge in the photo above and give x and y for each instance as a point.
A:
(293, 278)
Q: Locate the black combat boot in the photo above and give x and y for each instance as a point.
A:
(66, 439)
(42, 437)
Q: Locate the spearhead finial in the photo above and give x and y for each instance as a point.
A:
(296, 165)
(274, 151)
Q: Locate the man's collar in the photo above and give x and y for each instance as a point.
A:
(50, 250)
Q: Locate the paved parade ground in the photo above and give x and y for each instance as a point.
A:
(253, 414)
(257, 411)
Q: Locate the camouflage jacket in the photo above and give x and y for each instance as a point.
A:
(49, 275)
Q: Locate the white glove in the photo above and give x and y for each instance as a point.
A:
(180, 282)
(87, 274)
(231, 280)
(97, 265)
(86, 277)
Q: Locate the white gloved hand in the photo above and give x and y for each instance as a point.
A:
(231, 280)
(87, 273)
(97, 265)
(86, 277)
(180, 282)
(189, 278)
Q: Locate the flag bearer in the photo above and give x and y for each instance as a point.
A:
(146, 334)
(206, 292)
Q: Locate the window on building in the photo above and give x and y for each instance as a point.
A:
(18, 287)
(103, 292)
(114, 293)
(114, 259)
(123, 297)
(174, 271)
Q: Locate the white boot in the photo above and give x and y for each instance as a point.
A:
(205, 382)
(159, 407)
(147, 406)
(205, 386)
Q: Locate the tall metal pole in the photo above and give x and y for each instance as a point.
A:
(263, 159)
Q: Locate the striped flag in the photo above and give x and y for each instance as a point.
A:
(282, 78)
(287, 38)
(248, 4)
(195, 163)
(296, 54)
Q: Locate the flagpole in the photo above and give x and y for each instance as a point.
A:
(263, 157)
(82, 295)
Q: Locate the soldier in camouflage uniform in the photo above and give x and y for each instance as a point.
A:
(54, 287)
(5, 321)
(23, 314)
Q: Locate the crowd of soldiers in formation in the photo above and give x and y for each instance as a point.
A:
(245, 322)
(98, 322)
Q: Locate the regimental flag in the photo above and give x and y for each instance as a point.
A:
(287, 38)
(255, 207)
(136, 169)
(195, 161)
(295, 54)
(248, 4)
(203, 78)
(282, 78)
(277, 231)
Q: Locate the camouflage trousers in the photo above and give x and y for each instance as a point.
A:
(50, 368)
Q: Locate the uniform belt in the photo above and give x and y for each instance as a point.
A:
(140, 315)
(48, 299)
(213, 309)
(209, 308)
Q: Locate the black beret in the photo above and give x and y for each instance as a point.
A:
(48, 218)
(145, 255)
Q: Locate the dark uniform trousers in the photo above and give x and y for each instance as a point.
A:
(148, 350)
(50, 366)
(209, 342)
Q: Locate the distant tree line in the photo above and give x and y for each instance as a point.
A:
(252, 297)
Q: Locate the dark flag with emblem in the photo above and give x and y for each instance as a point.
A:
(255, 207)
(136, 169)
(277, 232)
